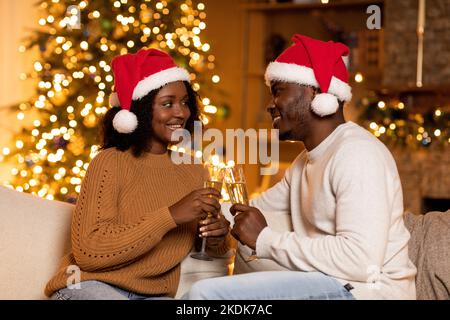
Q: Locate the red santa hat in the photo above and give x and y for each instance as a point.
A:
(318, 64)
(135, 75)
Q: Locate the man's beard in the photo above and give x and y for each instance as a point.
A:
(284, 136)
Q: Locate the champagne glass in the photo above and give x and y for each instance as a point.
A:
(215, 180)
(237, 189)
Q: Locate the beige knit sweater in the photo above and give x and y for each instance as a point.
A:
(122, 231)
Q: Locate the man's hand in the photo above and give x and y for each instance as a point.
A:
(248, 224)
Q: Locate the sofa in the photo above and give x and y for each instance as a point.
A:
(35, 234)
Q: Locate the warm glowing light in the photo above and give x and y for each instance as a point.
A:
(231, 164)
(37, 169)
(437, 132)
(215, 160)
(215, 79)
(210, 109)
(381, 104)
(42, 193)
(359, 77)
(401, 105)
(205, 47)
(38, 66)
(438, 113)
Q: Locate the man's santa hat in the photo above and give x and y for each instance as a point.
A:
(318, 64)
(135, 75)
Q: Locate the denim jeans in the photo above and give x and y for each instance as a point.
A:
(270, 285)
(97, 290)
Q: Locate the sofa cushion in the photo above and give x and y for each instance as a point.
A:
(34, 235)
(193, 270)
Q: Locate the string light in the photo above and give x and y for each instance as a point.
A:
(392, 122)
(359, 77)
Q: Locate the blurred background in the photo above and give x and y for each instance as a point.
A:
(55, 78)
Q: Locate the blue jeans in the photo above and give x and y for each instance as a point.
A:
(270, 285)
(97, 290)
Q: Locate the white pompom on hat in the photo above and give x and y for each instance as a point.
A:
(135, 75)
(317, 64)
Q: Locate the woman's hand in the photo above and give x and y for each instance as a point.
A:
(196, 205)
(214, 229)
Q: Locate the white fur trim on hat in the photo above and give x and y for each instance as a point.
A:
(114, 100)
(324, 104)
(289, 72)
(125, 121)
(158, 80)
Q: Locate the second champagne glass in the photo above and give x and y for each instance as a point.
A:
(237, 189)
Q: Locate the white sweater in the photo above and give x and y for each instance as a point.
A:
(346, 204)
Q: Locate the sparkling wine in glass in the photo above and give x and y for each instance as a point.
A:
(237, 190)
(214, 181)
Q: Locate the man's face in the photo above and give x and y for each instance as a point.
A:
(290, 110)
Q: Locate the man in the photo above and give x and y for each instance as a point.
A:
(343, 195)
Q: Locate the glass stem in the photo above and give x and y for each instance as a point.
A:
(203, 245)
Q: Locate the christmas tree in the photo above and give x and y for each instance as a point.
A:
(77, 41)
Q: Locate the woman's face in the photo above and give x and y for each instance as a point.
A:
(170, 112)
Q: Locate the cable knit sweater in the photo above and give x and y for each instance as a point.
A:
(122, 231)
(346, 206)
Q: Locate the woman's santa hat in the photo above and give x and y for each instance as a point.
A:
(135, 75)
(318, 64)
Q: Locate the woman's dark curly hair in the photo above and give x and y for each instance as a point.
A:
(139, 140)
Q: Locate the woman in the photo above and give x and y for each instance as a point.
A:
(137, 213)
